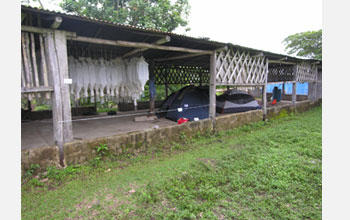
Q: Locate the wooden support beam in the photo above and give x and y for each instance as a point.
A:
(177, 57)
(264, 102)
(315, 86)
(212, 87)
(138, 45)
(281, 62)
(56, 22)
(52, 64)
(39, 30)
(37, 89)
(294, 94)
(264, 98)
(163, 40)
(257, 55)
(61, 50)
(56, 58)
(152, 88)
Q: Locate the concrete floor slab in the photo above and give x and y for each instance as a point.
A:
(40, 133)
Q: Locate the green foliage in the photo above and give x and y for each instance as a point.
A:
(305, 44)
(35, 182)
(102, 150)
(165, 15)
(31, 170)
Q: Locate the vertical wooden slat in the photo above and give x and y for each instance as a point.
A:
(26, 62)
(61, 50)
(212, 87)
(34, 63)
(44, 66)
(23, 77)
(35, 68)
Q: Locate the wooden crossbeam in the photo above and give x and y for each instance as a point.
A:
(163, 40)
(138, 45)
(44, 31)
(178, 57)
(37, 89)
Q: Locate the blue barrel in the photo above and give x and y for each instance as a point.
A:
(277, 93)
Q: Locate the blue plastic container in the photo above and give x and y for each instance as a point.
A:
(277, 93)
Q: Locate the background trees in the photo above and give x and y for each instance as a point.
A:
(305, 44)
(165, 15)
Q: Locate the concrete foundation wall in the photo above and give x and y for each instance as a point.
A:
(137, 142)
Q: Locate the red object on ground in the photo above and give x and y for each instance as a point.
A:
(182, 120)
(274, 102)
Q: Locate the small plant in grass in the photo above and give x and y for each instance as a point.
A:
(102, 150)
(31, 170)
(35, 182)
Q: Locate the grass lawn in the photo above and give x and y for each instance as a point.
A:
(266, 170)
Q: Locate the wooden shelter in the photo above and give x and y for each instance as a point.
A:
(49, 37)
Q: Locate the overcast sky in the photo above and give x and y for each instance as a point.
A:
(259, 24)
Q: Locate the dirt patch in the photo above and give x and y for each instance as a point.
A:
(208, 161)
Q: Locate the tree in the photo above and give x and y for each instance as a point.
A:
(305, 44)
(157, 14)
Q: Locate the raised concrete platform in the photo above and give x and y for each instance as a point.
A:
(40, 133)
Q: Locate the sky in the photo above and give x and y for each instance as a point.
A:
(259, 24)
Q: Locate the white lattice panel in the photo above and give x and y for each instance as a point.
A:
(239, 68)
(306, 72)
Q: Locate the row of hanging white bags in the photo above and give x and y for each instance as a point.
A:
(116, 80)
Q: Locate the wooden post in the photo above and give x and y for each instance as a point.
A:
(315, 86)
(294, 94)
(56, 58)
(212, 87)
(61, 48)
(166, 90)
(152, 88)
(264, 99)
(294, 89)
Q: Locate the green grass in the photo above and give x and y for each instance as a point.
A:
(266, 170)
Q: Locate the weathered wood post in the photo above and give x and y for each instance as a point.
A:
(56, 57)
(264, 99)
(294, 94)
(152, 88)
(315, 85)
(212, 88)
(294, 88)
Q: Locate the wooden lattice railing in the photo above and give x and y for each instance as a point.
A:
(281, 74)
(34, 71)
(239, 68)
(306, 72)
(169, 74)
